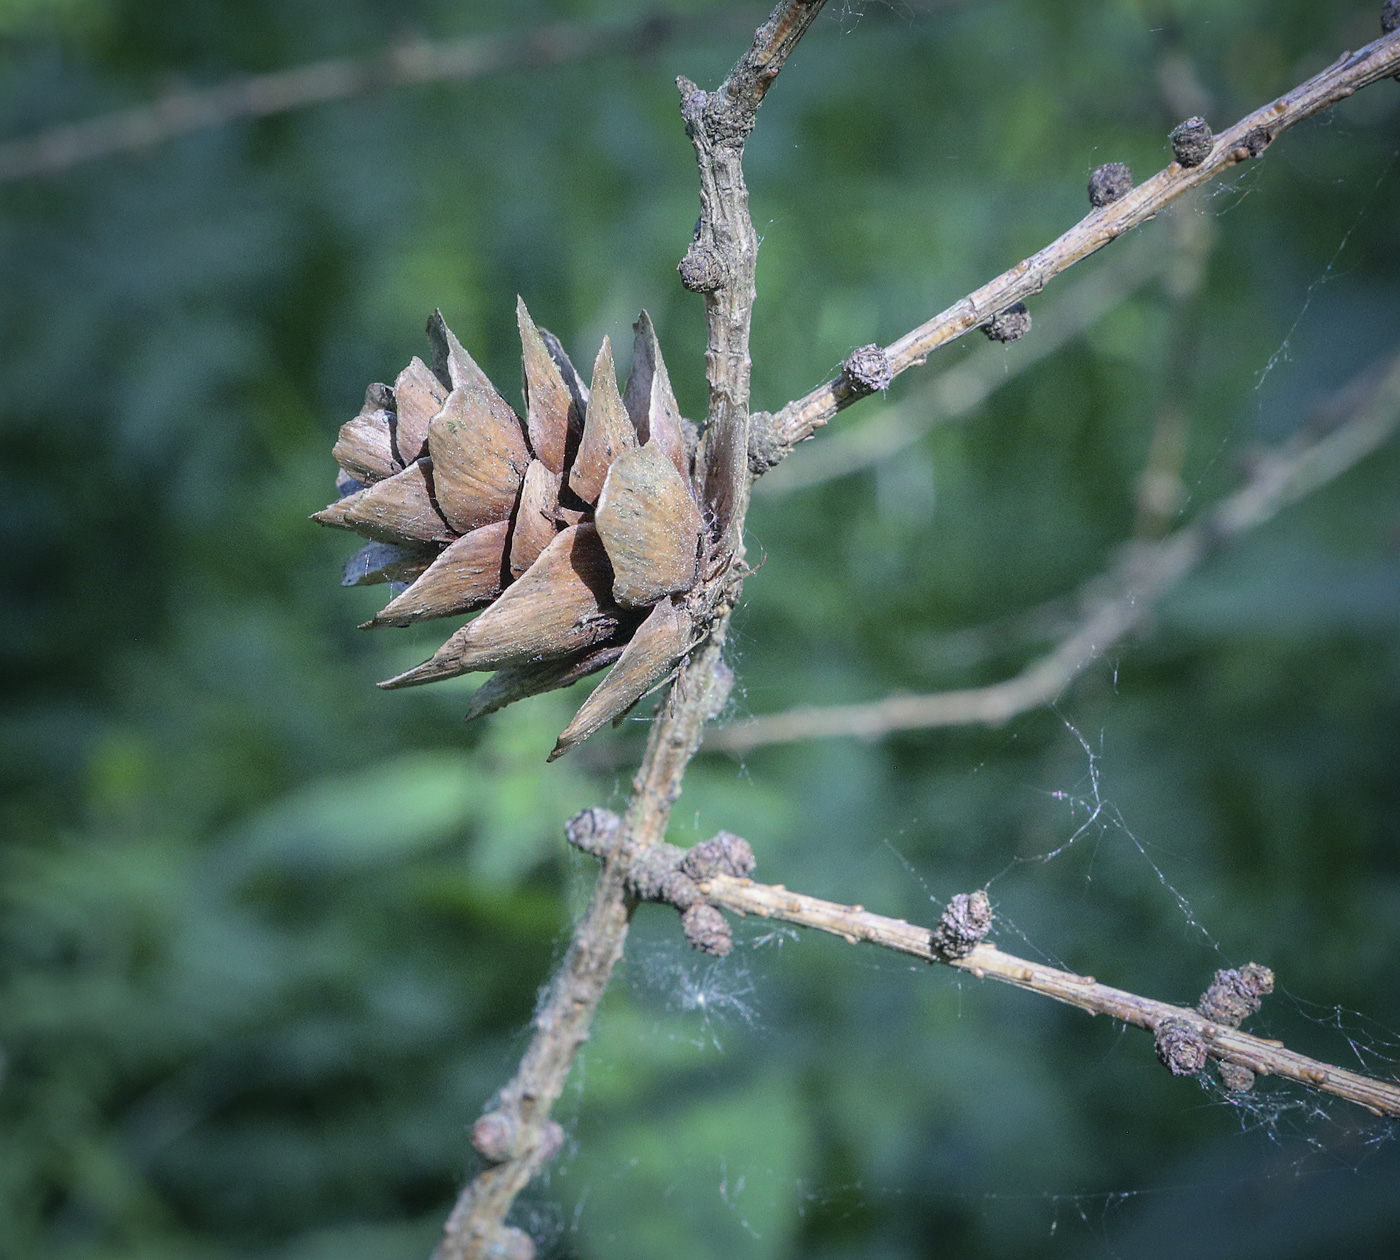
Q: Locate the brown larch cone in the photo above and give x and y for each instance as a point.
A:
(576, 529)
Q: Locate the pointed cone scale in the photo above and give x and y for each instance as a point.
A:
(551, 414)
(649, 398)
(577, 389)
(465, 575)
(516, 682)
(661, 640)
(365, 447)
(398, 509)
(650, 527)
(452, 365)
(418, 396)
(384, 562)
(535, 524)
(560, 606)
(607, 430)
(479, 457)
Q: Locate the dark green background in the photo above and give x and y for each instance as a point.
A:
(271, 938)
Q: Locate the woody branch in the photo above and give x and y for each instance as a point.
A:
(713, 876)
(516, 1136)
(1370, 406)
(1217, 1039)
(776, 434)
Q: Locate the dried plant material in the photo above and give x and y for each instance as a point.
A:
(1236, 993)
(398, 509)
(365, 447)
(1235, 1077)
(560, 606)
(650, 400)
(650, 526)
(867, 370)
(535, 517)
(703, 269)
(1009, 325)
(593, 830)
(1192, 141)
(550, 412)
(463, 577)
(578, 390)
(452, 365)
(1109, 183)
(385, 562)
(517, 682)
(607, 430)
(1256, 140)
(1180, 1047)
(478, 520)
(418, 395)
(725, 460)
(497, 1137)
(707, 930)
(963, 925)
(479, 457)
(723, 853)
(660, 641)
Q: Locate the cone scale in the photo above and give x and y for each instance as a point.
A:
(571, 524)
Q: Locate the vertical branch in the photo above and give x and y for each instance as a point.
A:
(516, 1136)
(721, 260)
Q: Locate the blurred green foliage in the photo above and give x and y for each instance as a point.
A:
(270, 938)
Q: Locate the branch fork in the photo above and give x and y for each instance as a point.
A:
(669, 875)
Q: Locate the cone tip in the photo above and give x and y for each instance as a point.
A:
(333, 515)
(423, 673)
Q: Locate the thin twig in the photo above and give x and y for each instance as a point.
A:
(1223, 1043)
(1245, 140)
(722, 257)
(422, 61)
(958, 391)
(65, 145)
(1146, 573)
(718, 124)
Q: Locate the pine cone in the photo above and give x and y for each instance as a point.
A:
(577, 531)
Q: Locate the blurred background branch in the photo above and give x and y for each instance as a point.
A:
(1119, 601)
(959, 391)
(407, 64)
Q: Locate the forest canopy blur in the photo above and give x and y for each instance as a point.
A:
(269, 937)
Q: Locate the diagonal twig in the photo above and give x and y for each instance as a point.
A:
(776, 434)
(1145, 574)
(958, 391)
(1221, 1042)
(420, 61)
